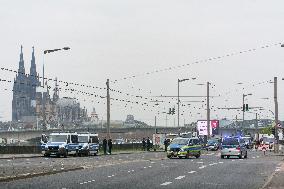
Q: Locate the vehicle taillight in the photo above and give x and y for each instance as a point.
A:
(238, 148)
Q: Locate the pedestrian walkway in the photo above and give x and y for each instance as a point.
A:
(276, 179)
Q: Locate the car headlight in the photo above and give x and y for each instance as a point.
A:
(182, 150)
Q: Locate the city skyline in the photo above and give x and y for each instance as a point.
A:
(112, 44)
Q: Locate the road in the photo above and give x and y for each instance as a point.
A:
(153, 170)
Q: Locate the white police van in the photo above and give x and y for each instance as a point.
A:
(88, 144)
(59, 144)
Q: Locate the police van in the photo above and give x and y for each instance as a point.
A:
(88, 144)
(59, 144)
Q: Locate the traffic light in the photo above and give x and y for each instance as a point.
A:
(170, 111)
(173, 111)
(244, 107)
(247, 107)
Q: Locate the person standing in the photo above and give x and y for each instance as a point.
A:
(166, 144)
(105, 145)
(143, 144)
(109, 146)
(148, 144)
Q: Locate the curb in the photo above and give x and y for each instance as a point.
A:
(20, 157)
(24, 176)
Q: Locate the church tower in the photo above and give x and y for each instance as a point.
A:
(20, 102)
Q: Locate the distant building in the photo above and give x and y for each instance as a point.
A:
(24, 90)
(131, 122)
(32, 102)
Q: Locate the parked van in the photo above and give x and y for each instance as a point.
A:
(88, 144)
(59, 144)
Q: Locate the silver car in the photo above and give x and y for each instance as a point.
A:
(233, 147)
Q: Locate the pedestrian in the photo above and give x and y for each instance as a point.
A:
(105, 145)
(264, 149)
(143, 144)
(109, 145)
(148, 144)
(166, 144)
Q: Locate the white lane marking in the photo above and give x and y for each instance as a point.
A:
(257, 156)
(150, 166)
(144, 167)
(241, 159)
(199, 162)
(233, 160)
(152, 162)
(277, 170)
(211, 164)
(191, 172)
(85, 182)
(192, 160)
(221, 162)
(128, 171)
(166, 183)
(180, 177)
(89, 181)
(253, 157)
(93, 180)
(202, 167)
(132, 170)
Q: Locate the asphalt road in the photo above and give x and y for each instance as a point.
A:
(153, 170)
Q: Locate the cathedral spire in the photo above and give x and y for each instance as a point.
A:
(33, 68)
(21, 63)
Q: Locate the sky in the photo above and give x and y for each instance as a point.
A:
(117, 39)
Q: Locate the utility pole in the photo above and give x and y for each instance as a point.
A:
(243, 123)
(166, 120)
(108, 109)
(178, 102)
(276, 149)
(236, 124)
(208, 112)
(155, 134)
(256, 126)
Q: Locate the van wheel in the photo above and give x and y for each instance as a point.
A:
(169, 156)
(228, 157)
(65, 155)
(241, 156)
(222, 157)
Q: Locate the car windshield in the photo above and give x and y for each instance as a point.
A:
(230, 141)
(180, 141)
(57, 138)
(83, 139)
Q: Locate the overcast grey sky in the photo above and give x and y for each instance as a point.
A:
(119, 38)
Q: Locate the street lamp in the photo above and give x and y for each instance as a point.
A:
(179, 81)
(244, 95)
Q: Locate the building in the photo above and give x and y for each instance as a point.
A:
(32, 102)
(24, 90)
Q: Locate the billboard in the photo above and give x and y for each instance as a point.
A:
(202, 127)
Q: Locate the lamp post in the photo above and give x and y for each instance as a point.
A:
(43, 102)
(179, 81)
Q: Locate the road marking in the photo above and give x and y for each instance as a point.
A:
(128, 171)
(233, 160)
(85, 182)
(192, 160)
(93, 180)
(191, 172)
(144, 167)
(166, 183)
(132, 170)
(89, 181)
(180, 177)
(213, 164)
(199, 162)
(202, 167)
(257, 156)
(253, 157)
(150, 166)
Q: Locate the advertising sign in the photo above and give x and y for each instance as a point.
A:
(202, 127)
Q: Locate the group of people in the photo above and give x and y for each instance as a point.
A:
(146, 144)
(105, 144)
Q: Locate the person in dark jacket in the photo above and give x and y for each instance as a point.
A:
(148, 144)
(166, 143)
(109, 145)
(143, 144)
(105, 145)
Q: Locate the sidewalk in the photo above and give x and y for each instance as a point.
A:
(276, 181)
(17, 156)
